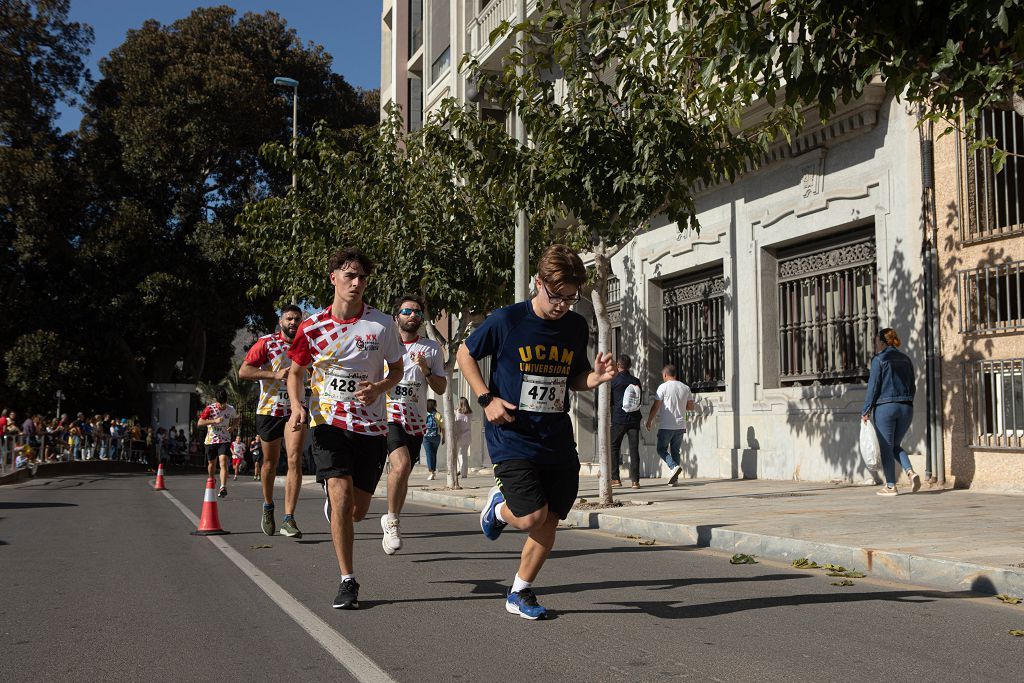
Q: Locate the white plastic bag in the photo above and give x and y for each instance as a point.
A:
(869, 446)
(631, 399)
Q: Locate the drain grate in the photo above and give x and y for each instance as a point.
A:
(779, 495)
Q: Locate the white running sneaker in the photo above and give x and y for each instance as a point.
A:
(392, 540)
(674, 477)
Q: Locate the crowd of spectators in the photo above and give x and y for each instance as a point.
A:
(30, 439)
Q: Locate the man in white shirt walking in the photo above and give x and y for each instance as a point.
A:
(674, 400)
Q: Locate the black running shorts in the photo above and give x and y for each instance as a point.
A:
(398, 437)
(340, 453)
(213, 450)
(271, 427)
(528, 486)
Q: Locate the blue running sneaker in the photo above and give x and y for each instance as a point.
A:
(524, 603)
(489, 523)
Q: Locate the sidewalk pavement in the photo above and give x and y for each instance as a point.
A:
(950, 539)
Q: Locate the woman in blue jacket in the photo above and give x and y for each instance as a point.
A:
(891, 397)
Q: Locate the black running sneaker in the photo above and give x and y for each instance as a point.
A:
(348, 595)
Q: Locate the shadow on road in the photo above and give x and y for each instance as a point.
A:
(670, 609)
(25, 506)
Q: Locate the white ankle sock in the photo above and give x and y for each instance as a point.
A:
(519, 584)
(346, 577)
(497, 512)
(392, 517)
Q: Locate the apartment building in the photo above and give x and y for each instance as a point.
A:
(770, 309)
(980, 226)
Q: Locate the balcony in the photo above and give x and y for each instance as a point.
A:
(479, 29)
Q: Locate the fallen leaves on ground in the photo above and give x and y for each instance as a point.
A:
(834, 567)
(852, 574)
(1017, 632)
(740, 558)
(1009, 599)
(804, 563)
(844, 582)
(649, 541)
(260, 547)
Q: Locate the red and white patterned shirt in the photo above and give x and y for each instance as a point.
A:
(270, 352)
(407, 402)
(218, 433)
(344, 353)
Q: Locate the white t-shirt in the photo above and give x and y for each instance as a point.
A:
(344, 353)
(407, 402)
(674, 395)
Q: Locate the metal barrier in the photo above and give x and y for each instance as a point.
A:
(65, 447)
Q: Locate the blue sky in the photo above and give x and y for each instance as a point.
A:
(348, 29)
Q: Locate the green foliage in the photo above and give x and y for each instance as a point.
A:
(41, 362)
(637, 123)
(952, 56)
(434, 209)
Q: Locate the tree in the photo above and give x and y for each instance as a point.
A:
(41, 206)
(40, 363)
(635, 127)
(955, 57)
(170, 140)
(435, 209)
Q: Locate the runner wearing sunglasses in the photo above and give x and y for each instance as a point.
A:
(423, 366)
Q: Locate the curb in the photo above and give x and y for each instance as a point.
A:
(880, 564)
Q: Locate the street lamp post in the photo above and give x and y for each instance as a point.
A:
(59, 396)
(294, 85)
(521, 260)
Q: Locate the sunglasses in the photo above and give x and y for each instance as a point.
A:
(411, 312)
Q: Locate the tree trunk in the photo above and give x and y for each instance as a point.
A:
(447, 400)
(604, 410)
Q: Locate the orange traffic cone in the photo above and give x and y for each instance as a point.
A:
(209, 522)
(159, 485)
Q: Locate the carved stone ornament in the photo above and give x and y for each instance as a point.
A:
(695, 291)
(837, 258)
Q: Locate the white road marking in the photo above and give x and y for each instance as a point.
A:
(348, 655)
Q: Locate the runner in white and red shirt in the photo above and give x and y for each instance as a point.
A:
(268, 362)
(407, 410)
(237, 455)
(347, 346)
(219, 418)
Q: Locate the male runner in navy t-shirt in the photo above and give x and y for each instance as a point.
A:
(539, 351)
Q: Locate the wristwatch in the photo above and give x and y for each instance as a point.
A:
(484, 399)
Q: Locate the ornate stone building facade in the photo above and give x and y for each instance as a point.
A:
(770, 309)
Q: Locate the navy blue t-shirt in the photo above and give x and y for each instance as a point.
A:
(547, 354)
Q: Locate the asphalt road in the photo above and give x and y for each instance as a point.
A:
(102, 581)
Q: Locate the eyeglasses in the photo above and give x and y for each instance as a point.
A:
(411, 312)
(557, 298)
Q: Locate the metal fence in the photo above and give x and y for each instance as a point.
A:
(991, 298)
(995, 403)
(62, 447)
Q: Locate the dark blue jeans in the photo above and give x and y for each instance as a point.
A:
(670, 442)
(892, 420)
(430, 445)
